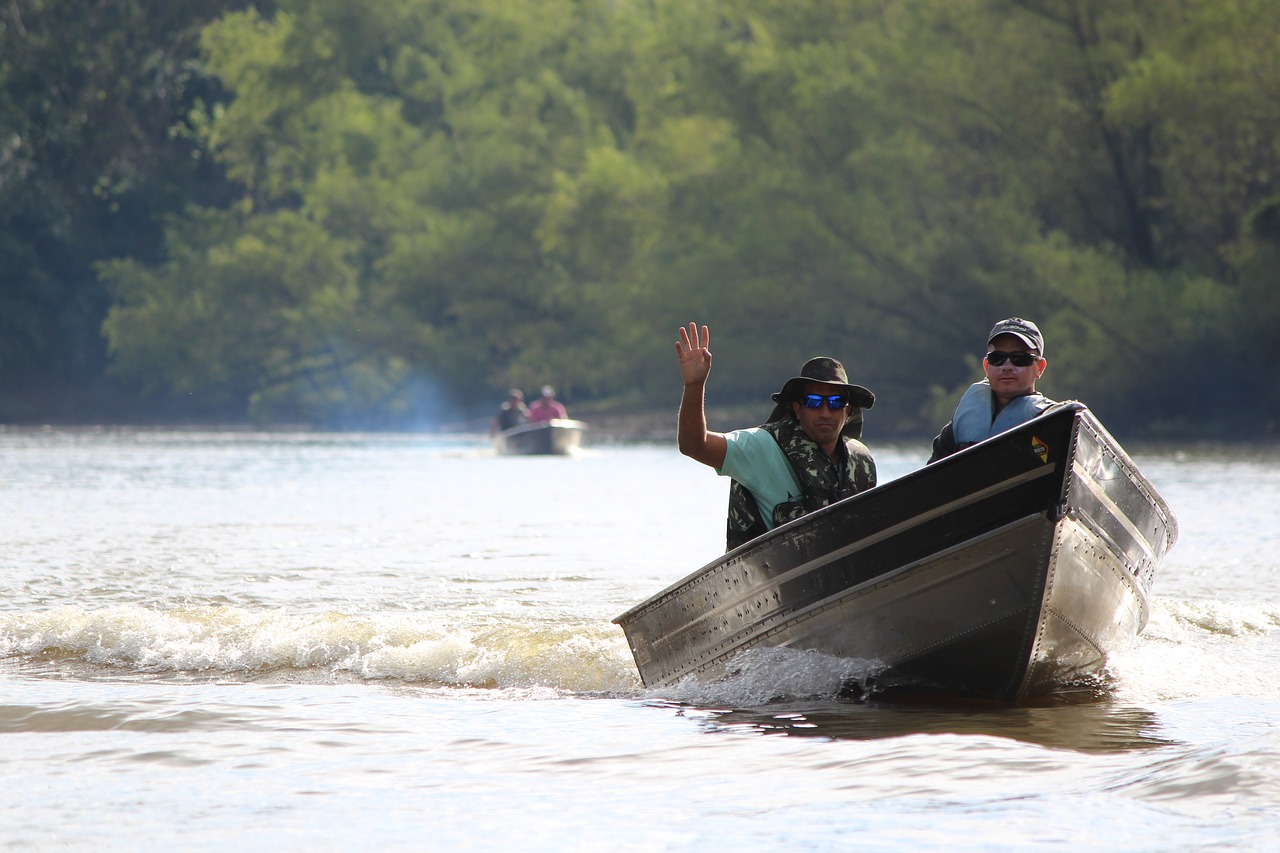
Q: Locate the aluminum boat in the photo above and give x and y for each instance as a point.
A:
(1008, 571)
(559, 437)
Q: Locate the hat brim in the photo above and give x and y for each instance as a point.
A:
(858, 396)
(1031, 343)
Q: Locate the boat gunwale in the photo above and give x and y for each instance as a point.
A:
(535, 426)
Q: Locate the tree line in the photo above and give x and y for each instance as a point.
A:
(386, 214)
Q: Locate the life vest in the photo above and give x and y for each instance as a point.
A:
(821, 482)
(510, 416)
(972, 421)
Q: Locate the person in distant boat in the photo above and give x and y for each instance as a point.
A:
(547, 407)
(1007, 396)
(805, 456)
(511, 414)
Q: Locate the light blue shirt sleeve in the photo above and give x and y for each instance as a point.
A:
(755, 460)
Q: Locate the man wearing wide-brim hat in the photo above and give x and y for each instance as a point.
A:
(805, 456)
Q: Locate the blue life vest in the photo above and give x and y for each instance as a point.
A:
(972, 421)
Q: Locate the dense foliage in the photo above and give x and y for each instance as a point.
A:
(92, 99)
(418, 203)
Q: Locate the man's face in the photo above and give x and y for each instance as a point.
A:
(1008, 380)
(822, 424)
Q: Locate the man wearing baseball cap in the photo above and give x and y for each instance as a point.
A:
(1007, 396)
(804, 457)
(547, 407)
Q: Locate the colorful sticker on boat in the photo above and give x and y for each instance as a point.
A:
(1039, 448)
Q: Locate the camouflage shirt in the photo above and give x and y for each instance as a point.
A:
(822, 481)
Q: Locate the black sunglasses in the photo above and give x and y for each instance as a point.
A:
(995, 358)
(833, 401)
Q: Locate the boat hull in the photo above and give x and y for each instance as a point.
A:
(1004, 572)
(558, 437)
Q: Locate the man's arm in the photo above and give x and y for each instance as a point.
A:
(693, 437)
(944, 445)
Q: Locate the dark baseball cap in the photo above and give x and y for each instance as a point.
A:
(1025, 330)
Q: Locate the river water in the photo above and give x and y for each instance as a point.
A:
(226, 641)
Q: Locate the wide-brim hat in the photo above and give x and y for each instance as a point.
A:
(825, 369)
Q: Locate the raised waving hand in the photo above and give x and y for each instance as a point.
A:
(694, 352)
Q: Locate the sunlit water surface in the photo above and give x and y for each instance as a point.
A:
(402, 642)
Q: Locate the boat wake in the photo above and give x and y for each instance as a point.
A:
(1172, 618)
(1200, 648)
(1190, 648)
(236, 643)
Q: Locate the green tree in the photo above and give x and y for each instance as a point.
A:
(428, 136)
(92, 100)
(501, 193)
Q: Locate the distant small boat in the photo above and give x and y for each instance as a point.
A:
(558, 437)
(1008, 571)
